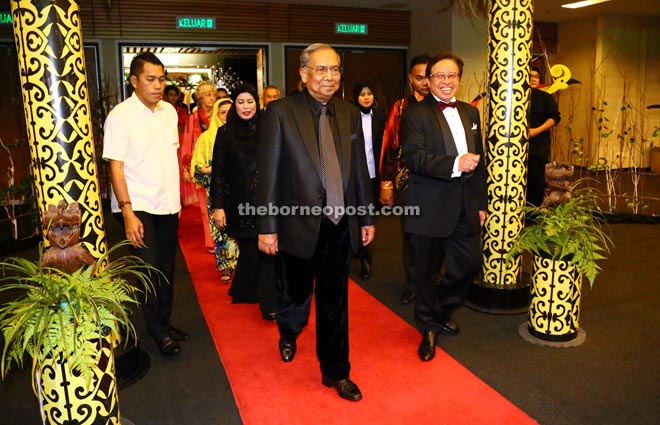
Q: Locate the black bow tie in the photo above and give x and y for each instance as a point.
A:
(443, 105)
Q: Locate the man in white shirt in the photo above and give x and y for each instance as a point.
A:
(140, 143)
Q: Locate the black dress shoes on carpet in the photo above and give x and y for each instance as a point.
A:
(407, 297)
(178, 334)
(345, 388)
(168, 346)
(450, 327)
(426, 348)
(287, 350)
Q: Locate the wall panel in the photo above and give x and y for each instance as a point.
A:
(238, 21)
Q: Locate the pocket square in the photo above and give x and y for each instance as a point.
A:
(474, 126)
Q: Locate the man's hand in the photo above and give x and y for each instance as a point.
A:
(268, 243)
(368, 234)
(387, 197)
(482, 217)
(134, 227)
(219, 218)
(468, 162)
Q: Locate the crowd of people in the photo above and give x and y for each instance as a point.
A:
(308, 149)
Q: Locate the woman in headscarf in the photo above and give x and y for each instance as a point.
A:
(234, 184)
(373, 127)
(225, 248)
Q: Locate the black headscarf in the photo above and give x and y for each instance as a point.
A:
(232, 116)
(238, 126)
(357, 89)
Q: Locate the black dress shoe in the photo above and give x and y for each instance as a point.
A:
(269, 317)
(450, 327)
(168, 346)
(365, 268)
(407, 297)
(426, 348)
(345, 388)
(287, 350)
(178, 335)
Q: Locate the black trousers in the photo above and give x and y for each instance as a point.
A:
(461, 252)
(536, 179)
(408, 256)
(160, 238)
(327, 271)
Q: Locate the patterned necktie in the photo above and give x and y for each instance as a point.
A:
(334, 189)
(443, 105)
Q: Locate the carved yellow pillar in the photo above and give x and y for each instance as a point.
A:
(554, 311)
(49, 47)
(509, 44)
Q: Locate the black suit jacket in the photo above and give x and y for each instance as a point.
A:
(290, 171)
(429, 151)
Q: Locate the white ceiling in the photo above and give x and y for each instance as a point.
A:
(544, 10)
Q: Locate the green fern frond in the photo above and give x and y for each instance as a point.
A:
(65, 315)
(572, 231)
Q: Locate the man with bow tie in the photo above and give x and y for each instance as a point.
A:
(442, 147)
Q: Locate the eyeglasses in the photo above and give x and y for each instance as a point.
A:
(320, 71)
(442, 77)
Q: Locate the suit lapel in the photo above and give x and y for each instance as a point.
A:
(447, 137)
(303, 118)
(467, 126)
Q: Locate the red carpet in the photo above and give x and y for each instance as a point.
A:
(398, 388)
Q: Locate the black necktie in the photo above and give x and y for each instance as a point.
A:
(443, 105)
(334, 189)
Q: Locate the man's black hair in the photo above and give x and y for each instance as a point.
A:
(137, 64)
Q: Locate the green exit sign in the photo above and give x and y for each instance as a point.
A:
(195, 23)
(5, 18)
(351, 29)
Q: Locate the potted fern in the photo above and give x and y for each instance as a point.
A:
(566, 241)
(66, 323)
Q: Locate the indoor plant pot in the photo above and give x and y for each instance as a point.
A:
(566, 241)
(67, 323)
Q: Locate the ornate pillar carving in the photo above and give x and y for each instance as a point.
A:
(49, 47)
(509, 47)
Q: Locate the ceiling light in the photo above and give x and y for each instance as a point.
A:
(582, 3)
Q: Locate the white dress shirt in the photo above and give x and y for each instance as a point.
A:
(458, 133)
(146, 142)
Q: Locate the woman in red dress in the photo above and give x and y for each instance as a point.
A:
(198, 122)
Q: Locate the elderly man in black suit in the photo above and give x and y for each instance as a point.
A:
(312, 169)
(443, 148)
